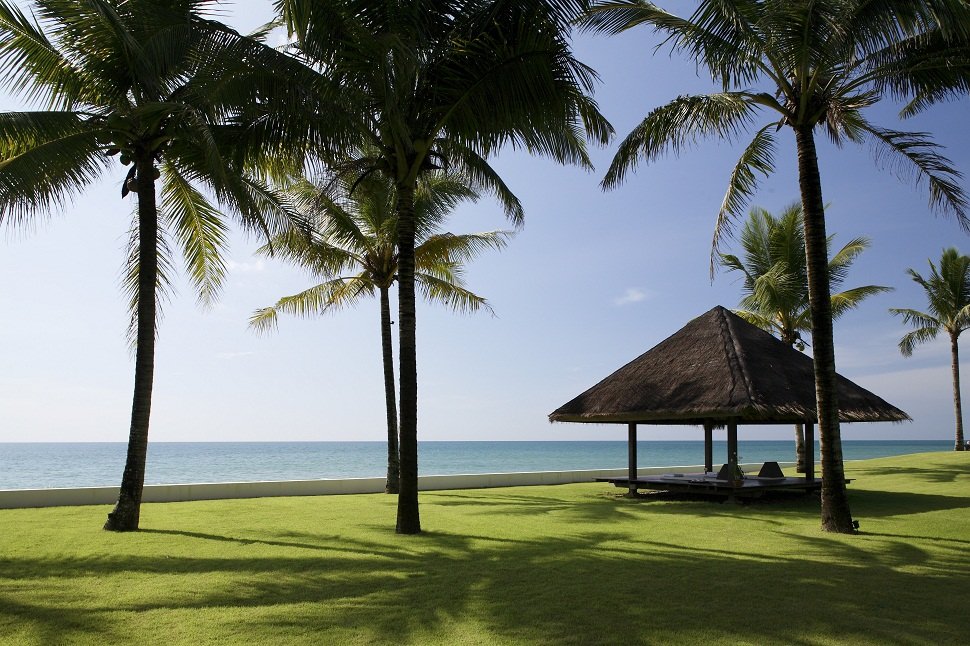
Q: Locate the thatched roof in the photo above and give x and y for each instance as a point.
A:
(719, 368)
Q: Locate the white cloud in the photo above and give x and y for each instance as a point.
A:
(631, 295)
(246, 267)
(233, 355)
(279, 39)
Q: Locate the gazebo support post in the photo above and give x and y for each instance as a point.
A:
(809, 452)
(732, 443)
(708, 447)
(732, 447)
(632, 455)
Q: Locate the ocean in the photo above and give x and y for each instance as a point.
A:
(33, 465)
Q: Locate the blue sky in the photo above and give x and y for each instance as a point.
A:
(592, 280)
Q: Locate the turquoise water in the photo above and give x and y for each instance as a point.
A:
(90, 464)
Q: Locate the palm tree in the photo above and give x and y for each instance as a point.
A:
(440, 84)
(123, 80)
(948, 293)
(813, 64)
(351, 248)
(776, 287)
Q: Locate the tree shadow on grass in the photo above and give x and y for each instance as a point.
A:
(937, 474)
(27, 619)
(866, 503)
(770, 510)
(585, 589)
(610, 506)
(312, 542)
(590, 508)
(918, 537)
(881, 504)
(593, 586)
(600, 576)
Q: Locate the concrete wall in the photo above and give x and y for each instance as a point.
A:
(19, 498)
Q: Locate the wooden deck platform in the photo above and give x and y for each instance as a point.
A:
(708, 484)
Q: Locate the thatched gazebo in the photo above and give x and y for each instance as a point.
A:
(719, 370)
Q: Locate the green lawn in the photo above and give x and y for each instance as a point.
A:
(570, 564)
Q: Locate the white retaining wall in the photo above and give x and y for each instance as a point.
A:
(19, 498)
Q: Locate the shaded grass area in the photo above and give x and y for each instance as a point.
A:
(569, 564)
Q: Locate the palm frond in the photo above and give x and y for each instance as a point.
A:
(849, 299)
(437, 196)
(916, 337)
(924, 69)
(617, 16)
(262, 208)
(848, 253)
(775, 280)
(313, 252)
(758, 157)
(329, 296)
(914, 155)
(732, 262)
(916, 318)
(843, 118)
(892, 20)
(347, 221)
(681, 123)
(961, 321)
(33, 67)
(481, 176)
(47, 160)
(130, 274)
(723, 35)
(728, 38)
(840, 263)
(776, 290)
(200, 231)
(947, 291)
(459, 248)
(452, 294)
(264, 320)
(757, 319)
(510, 85)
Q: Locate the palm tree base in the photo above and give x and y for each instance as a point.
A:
(408, 528)
(124, 518)
(839, 528)
(408, 517)
(839, 520)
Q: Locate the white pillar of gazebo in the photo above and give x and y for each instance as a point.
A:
(732, 449)
(632, 455)
(809, 452)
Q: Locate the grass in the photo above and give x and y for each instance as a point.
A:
(570, 564)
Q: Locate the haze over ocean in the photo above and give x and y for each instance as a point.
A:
(38, 465)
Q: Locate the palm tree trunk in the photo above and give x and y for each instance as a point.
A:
(408, 518)
(127, 510)
(800, 448)
(393, 459)
(836, 516)
(957, 406)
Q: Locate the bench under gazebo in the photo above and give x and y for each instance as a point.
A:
(719, 371)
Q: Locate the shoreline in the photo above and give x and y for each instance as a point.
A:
(183, 492)
(78, 496)
(41, 466)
